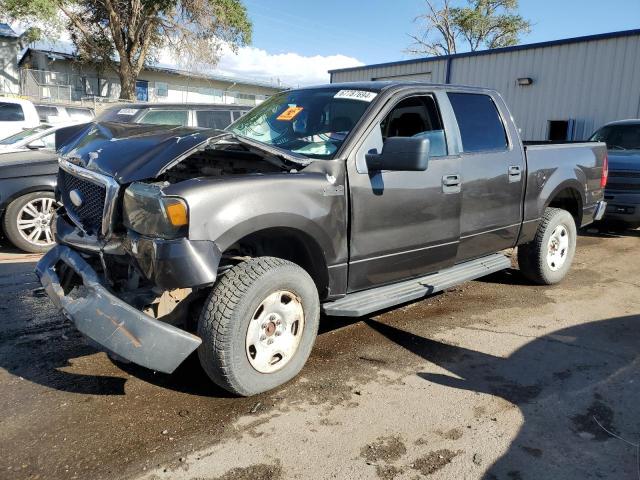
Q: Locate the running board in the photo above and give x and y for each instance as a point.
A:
(362, 303)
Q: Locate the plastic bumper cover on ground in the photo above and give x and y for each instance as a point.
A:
(109, 321)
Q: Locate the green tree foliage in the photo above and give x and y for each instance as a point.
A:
(126, 35)
(446, 29)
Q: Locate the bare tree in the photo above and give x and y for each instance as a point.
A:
(437, 34)
(480, 24)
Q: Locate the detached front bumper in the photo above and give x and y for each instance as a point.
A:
(111, 322)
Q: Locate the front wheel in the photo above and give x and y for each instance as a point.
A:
(258, 325)
(547, 259)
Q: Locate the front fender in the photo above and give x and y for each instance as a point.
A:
(224, 210)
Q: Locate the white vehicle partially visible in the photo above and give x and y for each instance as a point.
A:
(16, 115)
(42, 137)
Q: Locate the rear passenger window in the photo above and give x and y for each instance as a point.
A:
(480, 124)
(213, 118)
(165, 117)
(11, 112)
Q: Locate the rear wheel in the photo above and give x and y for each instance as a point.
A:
(28, 221)
(258, 325)
(547, 259)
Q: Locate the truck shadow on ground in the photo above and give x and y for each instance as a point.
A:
(563, 383)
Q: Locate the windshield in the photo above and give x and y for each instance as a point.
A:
(619, 137)
(23, 134)
(313, 123)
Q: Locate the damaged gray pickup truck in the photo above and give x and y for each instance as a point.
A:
(345, 198)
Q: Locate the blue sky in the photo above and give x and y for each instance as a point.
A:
(376, 30)
(296, 42)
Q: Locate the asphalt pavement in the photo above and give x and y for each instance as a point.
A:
(495, 379)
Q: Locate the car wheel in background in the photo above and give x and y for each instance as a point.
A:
(547, 259)
(28, 222)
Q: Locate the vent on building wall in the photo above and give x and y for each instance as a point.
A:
(525, 81)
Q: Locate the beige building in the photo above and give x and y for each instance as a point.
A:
(58, 77)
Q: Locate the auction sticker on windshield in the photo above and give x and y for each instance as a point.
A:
(361, 95)
(289, 114)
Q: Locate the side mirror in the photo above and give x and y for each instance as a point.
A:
(407, 154)
(36, 144)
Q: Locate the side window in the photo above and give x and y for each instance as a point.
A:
(45, 111)
(11, 112)
(480, 124)
(80, 113)
(236, 114)
(213, 118)
(165, 117)
(417, 117)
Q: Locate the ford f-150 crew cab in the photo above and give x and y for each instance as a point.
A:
(345, 198)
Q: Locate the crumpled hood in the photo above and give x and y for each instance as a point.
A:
(28, 163)
(624, 160)
(132, 152)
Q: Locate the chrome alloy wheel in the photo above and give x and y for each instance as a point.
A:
(35, 219)
(275, 331)
(557, 247)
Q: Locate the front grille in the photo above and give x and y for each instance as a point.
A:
(623, 186)
(624, 174)
(89, 214)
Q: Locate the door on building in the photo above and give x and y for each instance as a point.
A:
(492, 177)
(142, 90)
(404, 224)
(560, 130)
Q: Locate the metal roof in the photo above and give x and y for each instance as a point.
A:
(564, 41)
(7, 31)
(383, 85)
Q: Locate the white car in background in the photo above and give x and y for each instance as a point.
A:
(16, 115)
(42, 137)
(52, 113)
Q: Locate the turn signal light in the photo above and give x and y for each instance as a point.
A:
(177, 212)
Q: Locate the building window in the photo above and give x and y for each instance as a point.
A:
(162, 89)
(90, 86)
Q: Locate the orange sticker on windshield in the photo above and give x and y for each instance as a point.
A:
(289, 114)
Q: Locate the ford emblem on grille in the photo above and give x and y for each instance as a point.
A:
(76, 197)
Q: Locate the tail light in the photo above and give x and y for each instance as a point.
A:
(605, 171)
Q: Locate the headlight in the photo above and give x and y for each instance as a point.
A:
(148, 212)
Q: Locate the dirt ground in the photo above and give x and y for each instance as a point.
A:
(496, 379)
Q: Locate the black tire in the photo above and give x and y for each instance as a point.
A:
(532, 257)
(231, 306)
(10, 223)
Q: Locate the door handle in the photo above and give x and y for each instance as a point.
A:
(515, 174)
(451, 183)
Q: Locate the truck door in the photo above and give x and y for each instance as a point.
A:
(492, 176)
(403, 224)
